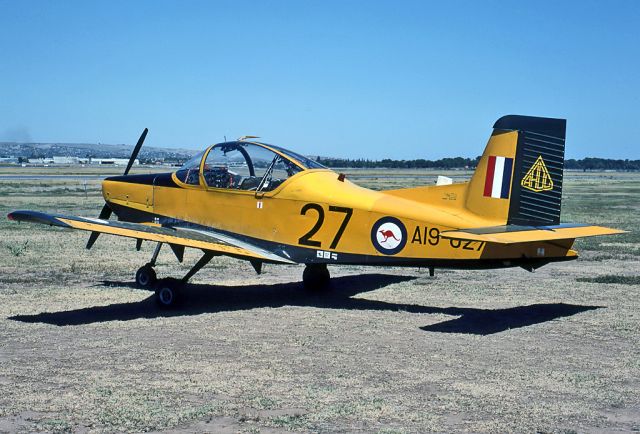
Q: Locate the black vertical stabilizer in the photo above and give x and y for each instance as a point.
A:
(537, 177)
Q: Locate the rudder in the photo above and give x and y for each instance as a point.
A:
(518, 180)
(539, 164)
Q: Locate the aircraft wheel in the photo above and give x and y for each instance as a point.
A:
(168, 293)
(146, 276)
(316, 277)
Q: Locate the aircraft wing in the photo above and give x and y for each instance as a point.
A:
(196, 238)
(511, 234)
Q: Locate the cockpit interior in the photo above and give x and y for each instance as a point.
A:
(248, 166)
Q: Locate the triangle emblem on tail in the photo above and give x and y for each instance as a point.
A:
(538, 178)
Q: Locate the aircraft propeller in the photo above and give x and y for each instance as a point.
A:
(106, 211)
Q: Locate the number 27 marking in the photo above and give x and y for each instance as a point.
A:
(306, 240)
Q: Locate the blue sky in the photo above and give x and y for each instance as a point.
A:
(349, 79)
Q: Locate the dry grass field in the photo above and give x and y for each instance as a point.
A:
(386, 350)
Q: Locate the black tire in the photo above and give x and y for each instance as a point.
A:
(146, 277)
(168, 293)
(316, 277)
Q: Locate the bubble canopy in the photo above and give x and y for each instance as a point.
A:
(248, 166)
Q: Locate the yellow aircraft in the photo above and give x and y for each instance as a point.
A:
(265, 204)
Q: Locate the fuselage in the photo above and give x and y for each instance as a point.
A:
(318, 216)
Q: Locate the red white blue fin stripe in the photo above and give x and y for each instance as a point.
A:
(497, 184)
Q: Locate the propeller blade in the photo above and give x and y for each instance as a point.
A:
(105, 213)
(134, 154)
(92, 239)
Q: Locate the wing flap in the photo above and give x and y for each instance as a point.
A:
(199, 239)
(512, 234)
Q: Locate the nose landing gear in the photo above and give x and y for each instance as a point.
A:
(146, 275)
(169, 290)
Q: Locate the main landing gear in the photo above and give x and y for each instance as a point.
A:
(316, 277)
(168, 290)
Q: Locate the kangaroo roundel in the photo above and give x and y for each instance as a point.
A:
(388, 235)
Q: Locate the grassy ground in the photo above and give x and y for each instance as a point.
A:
(387, 350)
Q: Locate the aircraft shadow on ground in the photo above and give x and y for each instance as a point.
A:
(201, 299)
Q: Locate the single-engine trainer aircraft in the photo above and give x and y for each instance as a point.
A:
(265, 204)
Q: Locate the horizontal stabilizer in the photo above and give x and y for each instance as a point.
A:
(511, 234)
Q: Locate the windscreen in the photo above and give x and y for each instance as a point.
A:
(307, 162)
(245, 166)
(189, 173)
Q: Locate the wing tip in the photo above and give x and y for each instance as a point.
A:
(615, 231)
(36, 217)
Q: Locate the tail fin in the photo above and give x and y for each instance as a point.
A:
(518, 180)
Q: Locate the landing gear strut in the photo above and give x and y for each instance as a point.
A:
(168, 291)
(316, 277)
(146, 275)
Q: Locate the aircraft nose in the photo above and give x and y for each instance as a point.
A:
(106, 188)
(132, 191)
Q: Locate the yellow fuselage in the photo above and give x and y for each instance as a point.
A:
(308, 218)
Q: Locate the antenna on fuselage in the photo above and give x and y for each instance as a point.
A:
(240, 139)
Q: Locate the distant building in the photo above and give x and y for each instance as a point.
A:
(113, 161)
(9, 160)
(40, 160)
(68, 160)
(64, 160)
